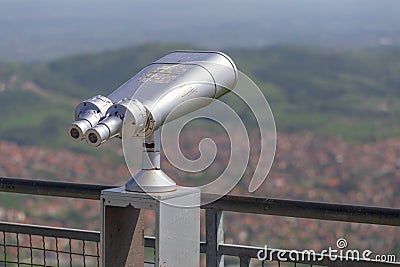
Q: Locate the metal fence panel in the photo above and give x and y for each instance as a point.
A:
(30, 245)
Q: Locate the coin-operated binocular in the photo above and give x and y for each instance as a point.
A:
(177, 84)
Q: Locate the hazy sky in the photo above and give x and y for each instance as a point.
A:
(48, 28)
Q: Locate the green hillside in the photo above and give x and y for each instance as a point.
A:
(355, 94)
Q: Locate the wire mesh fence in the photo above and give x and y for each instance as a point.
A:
(28, 245)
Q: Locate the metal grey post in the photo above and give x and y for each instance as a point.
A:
(178, 230)
(214, 237)
(177, 226)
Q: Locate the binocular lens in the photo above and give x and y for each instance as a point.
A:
(74, 133)
(92, 138)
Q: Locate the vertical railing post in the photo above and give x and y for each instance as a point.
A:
(214, 237)
(244, 261)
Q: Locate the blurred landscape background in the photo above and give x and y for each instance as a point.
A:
(330, 71)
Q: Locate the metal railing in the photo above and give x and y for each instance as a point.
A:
(56, 245)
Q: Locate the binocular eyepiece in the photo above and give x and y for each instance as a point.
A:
(88, 114)
(106, 129)
(110, 125)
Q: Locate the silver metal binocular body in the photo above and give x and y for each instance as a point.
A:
(177, 84)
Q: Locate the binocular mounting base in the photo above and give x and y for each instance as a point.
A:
(150, 181)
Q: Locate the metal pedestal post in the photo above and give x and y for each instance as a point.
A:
(177, 227)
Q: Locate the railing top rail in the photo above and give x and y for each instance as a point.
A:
(244, 204)
(308, 210)
(52, 188)
(58, 232)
